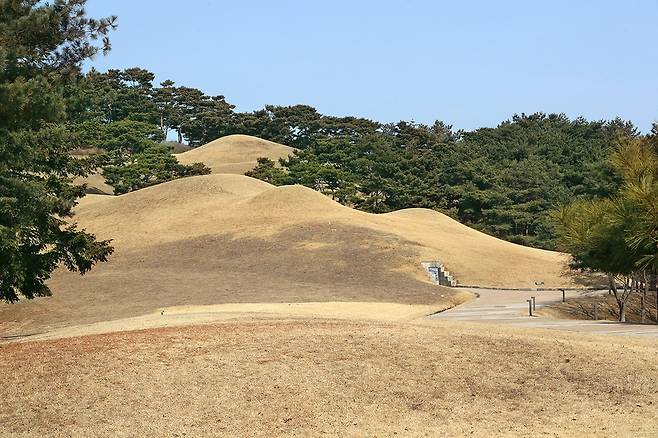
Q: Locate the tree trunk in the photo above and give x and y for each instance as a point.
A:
(180, 136)
(622, 296)
(622, 311)
(613, 285)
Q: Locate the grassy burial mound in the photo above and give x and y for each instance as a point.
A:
(235, 153)
(233, 239)
(228, 239)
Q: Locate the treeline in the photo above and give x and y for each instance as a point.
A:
(502, 180)
(129, 96)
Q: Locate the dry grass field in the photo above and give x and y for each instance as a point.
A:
(325, 377)
(235, 154)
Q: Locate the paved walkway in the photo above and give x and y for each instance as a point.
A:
(510, 307)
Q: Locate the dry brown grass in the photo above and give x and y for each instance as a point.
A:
(96, 184)
(339, 378)
(235, 153)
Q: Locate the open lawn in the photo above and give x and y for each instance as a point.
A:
(341, 378)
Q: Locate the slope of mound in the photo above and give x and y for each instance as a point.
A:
(233, 239)
(295, 203)
(235, 153)
(96, 184)
(478, 259)
(179, 209)
(192, 189)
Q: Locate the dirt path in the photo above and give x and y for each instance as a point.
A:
(178, 316)
(492, 306)
(498, 306)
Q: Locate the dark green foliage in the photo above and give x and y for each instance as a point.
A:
(153, 165)
(207, 117)
(41, 47)
(266, 170)
(120, 95)
(530, 164)
(113, 96)
(128, 137)
(299, 126)
(123, 137)
(616, 235)
(501, 180)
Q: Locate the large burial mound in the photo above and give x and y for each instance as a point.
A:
(235, 153)
(233, 239)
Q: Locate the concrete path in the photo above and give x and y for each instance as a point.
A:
(508, 307)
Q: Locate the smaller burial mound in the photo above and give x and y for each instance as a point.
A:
(235, 154)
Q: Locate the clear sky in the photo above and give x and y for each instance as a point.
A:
(468, 63)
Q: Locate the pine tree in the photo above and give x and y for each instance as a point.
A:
(41, 48)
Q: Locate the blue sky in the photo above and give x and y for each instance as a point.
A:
(468, 63)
